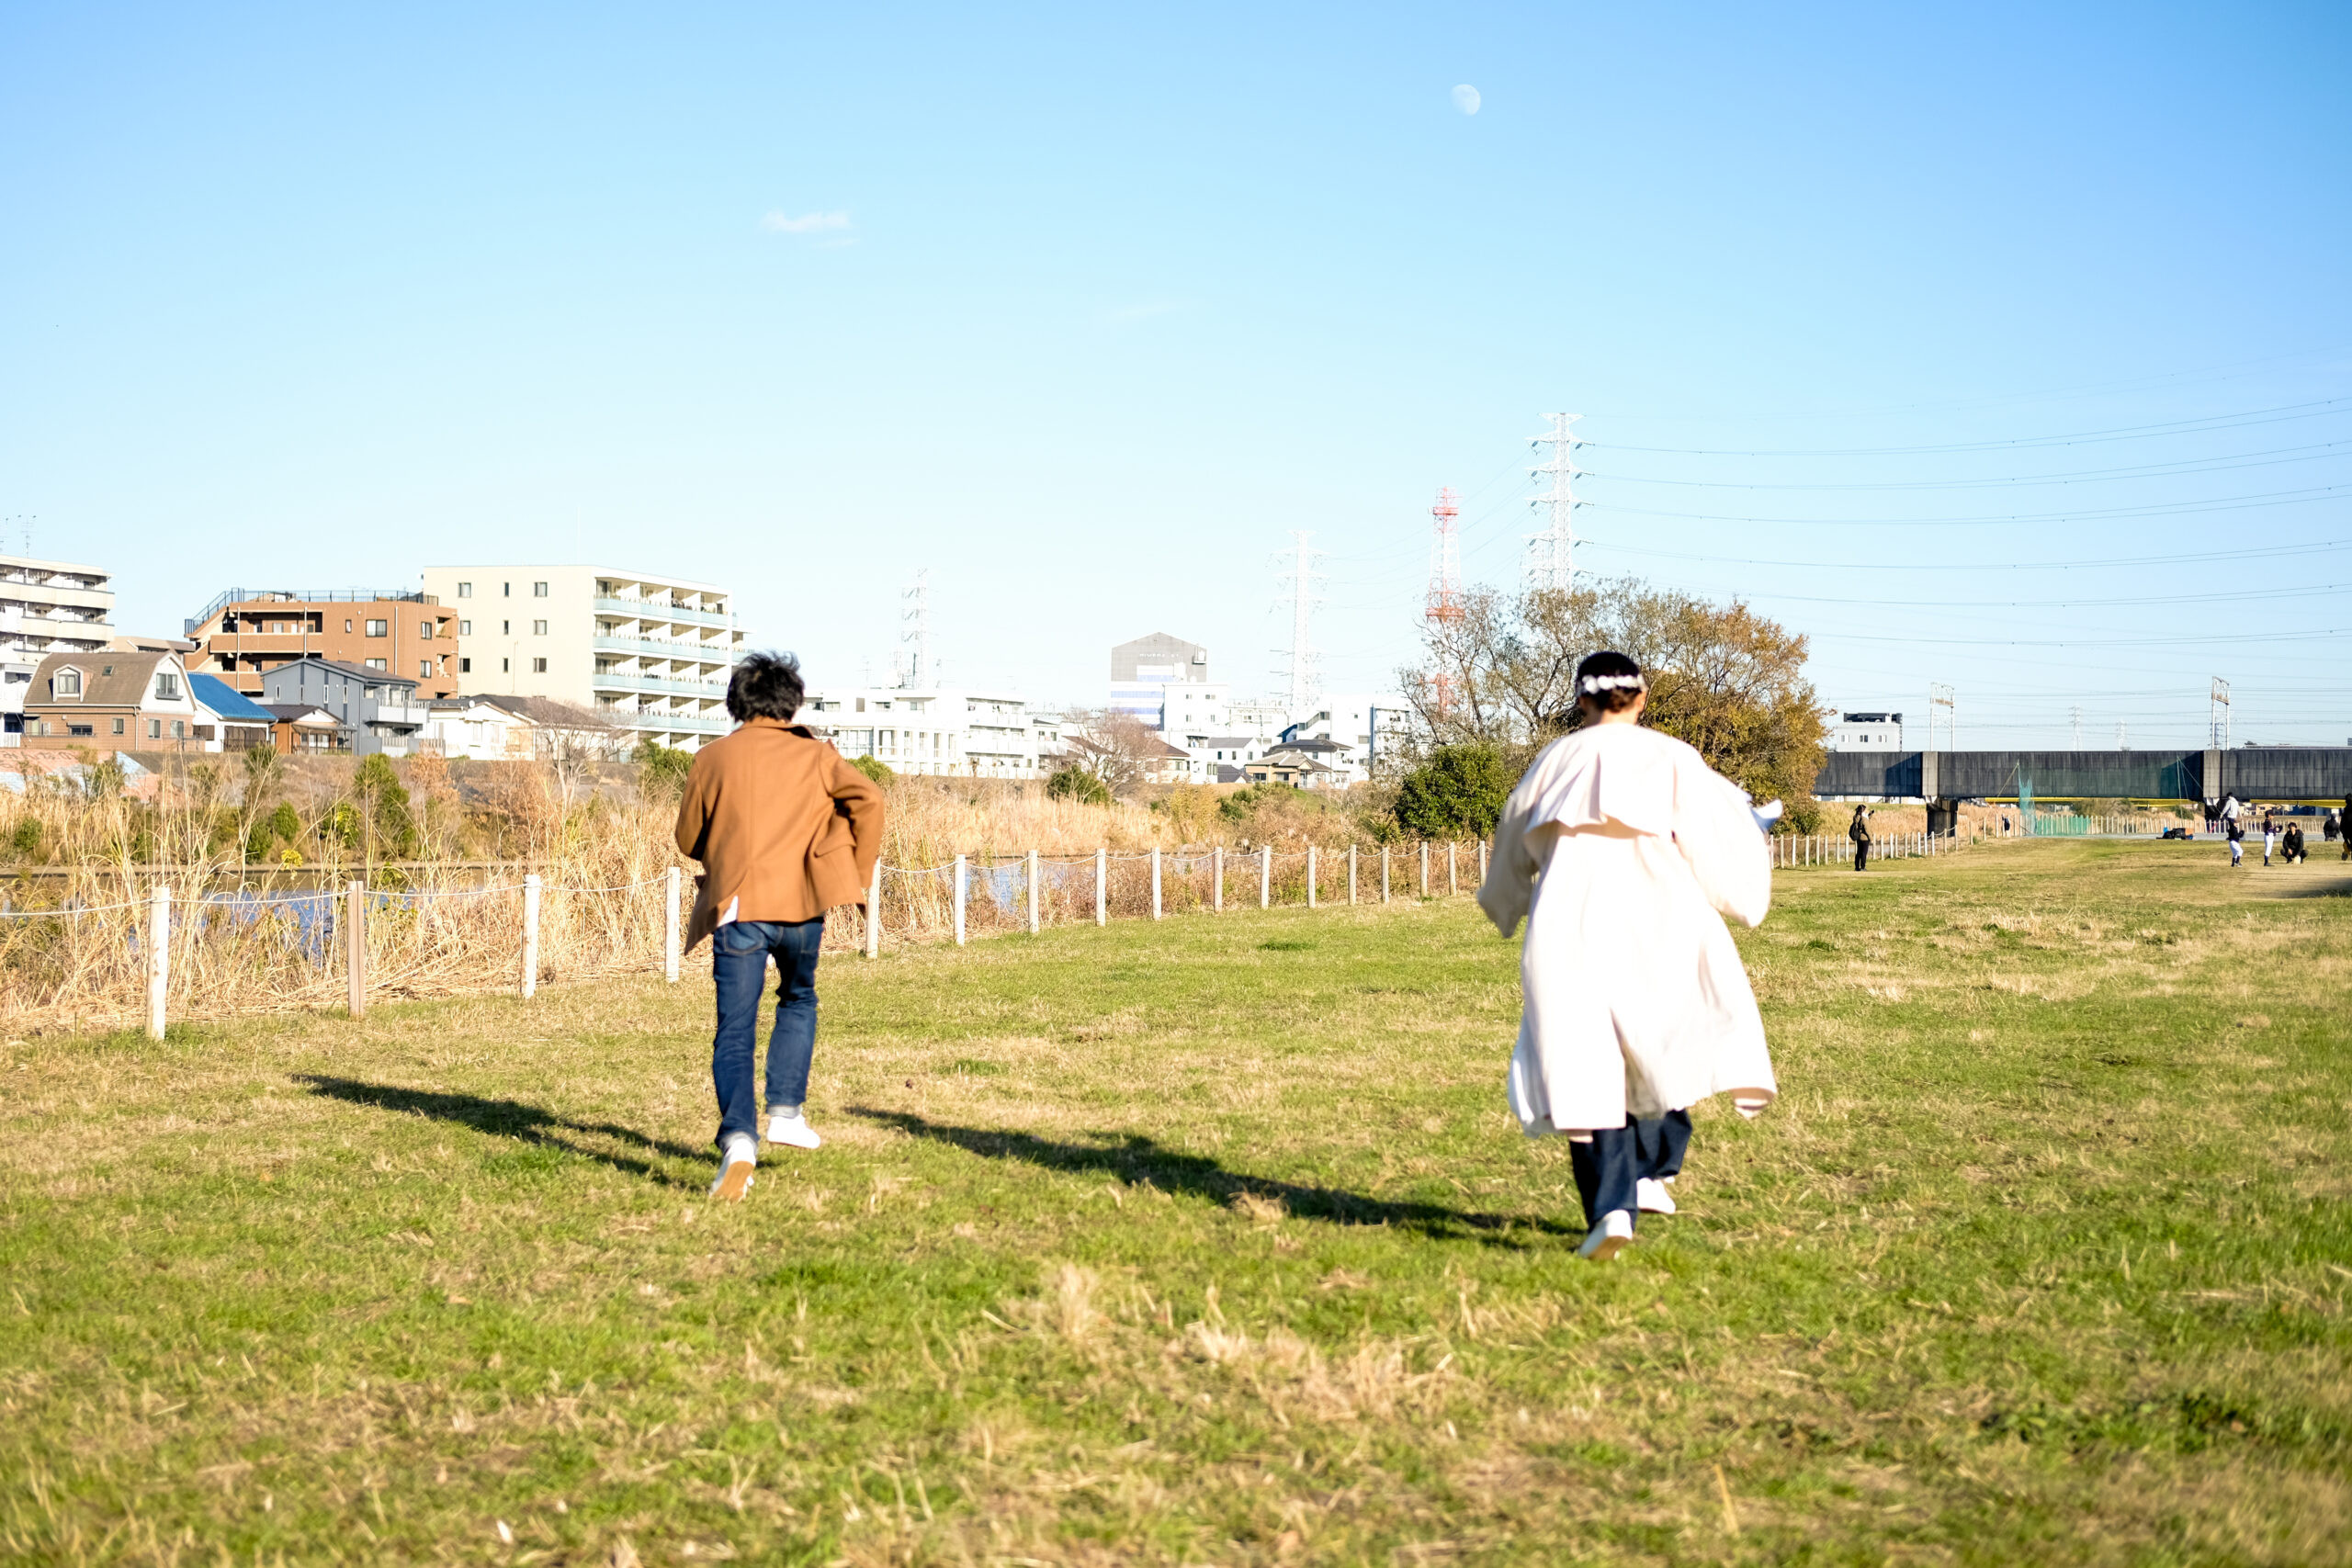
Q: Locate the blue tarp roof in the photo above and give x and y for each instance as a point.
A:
(227, 701)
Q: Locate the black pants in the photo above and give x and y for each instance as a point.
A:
(1862, 853)
(1617, 1158)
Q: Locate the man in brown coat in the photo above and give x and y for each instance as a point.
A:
(785, 830)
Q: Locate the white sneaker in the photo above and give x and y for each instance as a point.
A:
(1610, 1237)
(736, 1170)
(1651, 1196)
(794, 1131)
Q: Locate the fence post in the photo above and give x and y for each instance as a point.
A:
(354, 946)
(1265, 876)
(1216, 864)
(1482, 863)
(1154, 881)
(959, 900)
(1310, 876)
(1033, 893)
(1452, 882)
(874, 911)
(1425, 868)
(1102, 886)
(670, 926)
(530, 935)
(1384, 874)
(1351, 874)
(159, 958)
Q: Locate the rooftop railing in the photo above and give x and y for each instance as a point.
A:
(221, 600)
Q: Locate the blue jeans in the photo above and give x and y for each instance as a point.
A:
(739, 964)
(1608, 1167)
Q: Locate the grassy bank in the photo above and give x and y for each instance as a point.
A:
(1212, 1242)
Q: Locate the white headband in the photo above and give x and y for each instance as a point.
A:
(1593, 685)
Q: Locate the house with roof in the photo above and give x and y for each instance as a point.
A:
(1300, 766)
(107, 698)
(302, 728)
(232, 721)
(376, 707)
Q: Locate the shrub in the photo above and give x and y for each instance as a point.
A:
(874, 768)
(1076, 783)
(1458, 792)
(662, 768)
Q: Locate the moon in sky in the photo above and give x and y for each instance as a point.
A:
(1466, 99)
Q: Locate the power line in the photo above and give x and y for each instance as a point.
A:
(2144, 509)
(2277, 415)
(1972, 565)
(2059, 603)
(2271, 457)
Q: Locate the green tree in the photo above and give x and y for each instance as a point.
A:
(874, 768)
(25, 842)
(1458, 792)
(383, 800)
(662, 769)
(1077, 783)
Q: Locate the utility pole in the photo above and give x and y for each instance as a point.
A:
(913, 659)
(2218, 715)
(1551, 555)
(2076, 714)
(1302, 580)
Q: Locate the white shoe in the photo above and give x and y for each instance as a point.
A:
(1652, 1197)
(736, 1170)
(1610, 1237)
(794, 1131)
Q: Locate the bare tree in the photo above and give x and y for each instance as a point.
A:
(1117, 748)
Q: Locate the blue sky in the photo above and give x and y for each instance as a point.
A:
(1084, 309)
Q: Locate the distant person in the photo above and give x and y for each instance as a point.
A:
(2327, 827)
(1860, 831)
(2269, 836)
(2290, 844)
(1623, 850)
(2005, 824)
(785, 830)
(2235, 831)
(2344, 826)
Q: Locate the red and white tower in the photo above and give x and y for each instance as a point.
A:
(1444, 610)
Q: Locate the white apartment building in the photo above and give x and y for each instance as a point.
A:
(948, 732)
(1867, 732)
(46, 606)
(1363, 722)
(650, 654)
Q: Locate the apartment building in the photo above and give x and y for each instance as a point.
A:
(942, 730)
(1866, 732)
(1153, 674)
(244, 633)
(1362, 724)
(46, 606)
(649, 654)
(377, 709)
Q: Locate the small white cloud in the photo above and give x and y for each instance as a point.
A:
(1466, 99)
(806, 223)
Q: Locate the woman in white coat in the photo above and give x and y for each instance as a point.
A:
(1623, 850)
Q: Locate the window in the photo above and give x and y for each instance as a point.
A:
(167, 686)
(465, 666)
(505, 628)
(538, 591)
(425, 631)
(179, 729)
(375, 628)
(505, 666)
(66, 684)
(118, 726)
(506, 591)
(539, 628)
(538, 666)
(465, 591)
(154, 729)
(465, 628)
(74, 729)
(425, 669)
(346, 624)
(861, 705)
(376, 664)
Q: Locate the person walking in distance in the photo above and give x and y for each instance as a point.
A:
(1860, 831)
(785, 830)
(2269, 836)
(1623, 850)
(2235, 830)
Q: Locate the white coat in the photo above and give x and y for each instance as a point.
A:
(1623, 850)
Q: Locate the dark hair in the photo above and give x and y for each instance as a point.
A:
(1623, 678)
(765, 686)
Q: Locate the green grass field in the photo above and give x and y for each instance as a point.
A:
(1212, 1242)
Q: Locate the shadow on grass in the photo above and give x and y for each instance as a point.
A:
(1135, 1159)
(513, 1119)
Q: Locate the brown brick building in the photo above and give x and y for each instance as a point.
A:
(241, 634)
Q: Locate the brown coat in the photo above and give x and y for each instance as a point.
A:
(780, 823)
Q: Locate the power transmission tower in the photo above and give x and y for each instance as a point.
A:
(1444, 611)
(2078, 715)
(2218, 715)
(2122, 741)
(1944, 710)
(914, 657)
(1551, 555)
(1302, 580)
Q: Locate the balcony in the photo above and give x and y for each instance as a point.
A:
(657, 648)
(683, 722)
(612, 680)
(649, 610)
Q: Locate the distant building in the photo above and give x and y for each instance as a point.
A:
(378, 707)
(1867, 732)
(949, 731)
(46, 606)
(121, 700)
(232, 721)
(1362, 723)
(1144, 670)
(1301, 767)
(244, 632)
(1259, 717)
(300, 728)
(652, 655)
